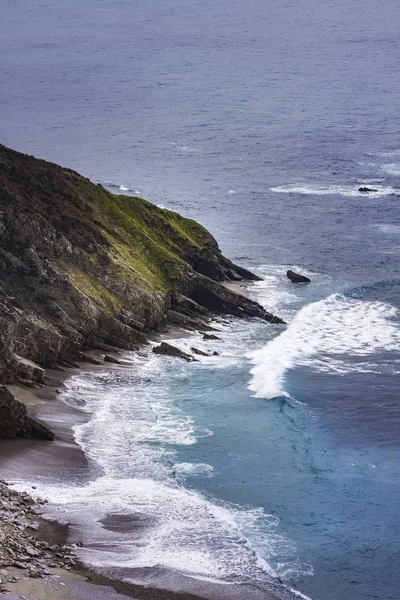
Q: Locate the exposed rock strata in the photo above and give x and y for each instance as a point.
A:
(81, 268)
(16, 422)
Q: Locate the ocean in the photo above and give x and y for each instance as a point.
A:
(277, 460)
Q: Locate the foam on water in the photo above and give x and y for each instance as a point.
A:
(336, 190)
(322, 336)
(388, 228)
(133, 434)
(392, 168)
(193, 469)
(182, 530)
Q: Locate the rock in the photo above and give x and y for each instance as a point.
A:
(297, 277)
(170, 350)
(182, 304)
(90, 359)
(210, 336)
(112, 360)
(16, 422)
(200, 352)
(219, 299)
(366, 189)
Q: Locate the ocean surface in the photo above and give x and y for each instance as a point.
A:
(279, 458)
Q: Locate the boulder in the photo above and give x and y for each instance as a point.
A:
(297, 277)
(169, 350)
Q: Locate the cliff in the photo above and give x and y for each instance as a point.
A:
(82, 268)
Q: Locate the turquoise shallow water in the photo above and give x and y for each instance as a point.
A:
(262, 122)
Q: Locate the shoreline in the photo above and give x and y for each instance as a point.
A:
(64, 453)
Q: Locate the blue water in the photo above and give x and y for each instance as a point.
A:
(261, 120)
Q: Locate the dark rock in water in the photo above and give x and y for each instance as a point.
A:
(210, 336)
(200, 352)
(297, 277)
(16, 422)
(366, 189)
(170, 350)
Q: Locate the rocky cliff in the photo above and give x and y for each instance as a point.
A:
(82, 268)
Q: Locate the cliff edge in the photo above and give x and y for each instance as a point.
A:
(82, 268)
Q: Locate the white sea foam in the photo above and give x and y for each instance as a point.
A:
(123, 188)
(132, 435)
(183, 147)
(388, 228)
(193, 469)
(319, 336)
(163, 207)
(336, 190)
(182, 529)
(392, 168)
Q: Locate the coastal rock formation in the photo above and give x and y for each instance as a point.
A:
(297, 277)
(170, 350)
(16, 422)
(81, 269)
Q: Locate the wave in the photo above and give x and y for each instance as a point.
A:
(388, 228)
(322, 336)
(392, 168)
(133, 435)
(193, 469)
(178, 529)
(336, 190)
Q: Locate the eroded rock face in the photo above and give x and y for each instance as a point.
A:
(16, 422)
(81, 268)
(297, 277)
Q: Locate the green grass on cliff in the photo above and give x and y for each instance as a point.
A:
(106, 240)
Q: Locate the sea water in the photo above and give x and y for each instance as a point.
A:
(279, 458)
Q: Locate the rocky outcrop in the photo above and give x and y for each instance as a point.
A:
(16, 422)
(170, 350)
(81, 269)
(297, 277)
(219, 299)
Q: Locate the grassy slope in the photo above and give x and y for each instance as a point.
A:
(119, 238)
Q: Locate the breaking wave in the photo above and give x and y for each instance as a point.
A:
(322, 336)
